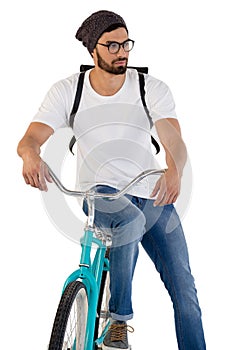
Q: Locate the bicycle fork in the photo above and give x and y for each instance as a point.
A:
(90, 275)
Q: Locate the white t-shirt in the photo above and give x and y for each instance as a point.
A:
(113, 132)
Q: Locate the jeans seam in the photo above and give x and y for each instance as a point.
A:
(165, 271)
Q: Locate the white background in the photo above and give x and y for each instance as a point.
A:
(188, 45)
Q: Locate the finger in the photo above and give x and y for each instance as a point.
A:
(31, 181)
(34, 179)
(167, 199)
(47, 175)
(160, 199)
(156, 189)
(174, 199)
(26, 179)
(164, 197)
(42, 181)
(173, 195)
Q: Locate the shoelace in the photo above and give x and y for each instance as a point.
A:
(119, 331)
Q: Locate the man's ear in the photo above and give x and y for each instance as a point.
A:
(92, 53)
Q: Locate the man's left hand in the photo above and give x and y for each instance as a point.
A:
(167, 188)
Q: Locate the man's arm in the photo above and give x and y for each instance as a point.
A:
(167, 187)
(35, 172)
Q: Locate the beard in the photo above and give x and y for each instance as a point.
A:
(110, 68)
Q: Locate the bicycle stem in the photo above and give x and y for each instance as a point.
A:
(91, 209)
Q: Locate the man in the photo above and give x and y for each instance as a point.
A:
(114, 144)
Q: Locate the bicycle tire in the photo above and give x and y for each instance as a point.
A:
(69, 325)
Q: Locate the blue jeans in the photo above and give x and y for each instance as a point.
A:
(132, 220)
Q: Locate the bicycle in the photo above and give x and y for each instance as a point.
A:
(82, 317)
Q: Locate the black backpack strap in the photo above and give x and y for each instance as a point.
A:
(75, 107)
(71, 144)
(77, 99)
(142, 92)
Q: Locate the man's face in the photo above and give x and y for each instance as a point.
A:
(114, 63)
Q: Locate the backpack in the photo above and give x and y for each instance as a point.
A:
(83, 68)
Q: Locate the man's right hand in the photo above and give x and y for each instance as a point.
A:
(35, 171)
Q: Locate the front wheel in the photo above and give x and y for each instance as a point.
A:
(69, 326)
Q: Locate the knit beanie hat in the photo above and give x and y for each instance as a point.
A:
(95, 25)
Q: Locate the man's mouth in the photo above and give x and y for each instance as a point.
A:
(120, 62)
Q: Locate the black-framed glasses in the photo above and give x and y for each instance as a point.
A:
(114, 46)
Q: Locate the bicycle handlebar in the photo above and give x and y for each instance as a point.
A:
(120, 193)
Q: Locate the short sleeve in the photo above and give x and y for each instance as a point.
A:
(159, 99)
(55, 106)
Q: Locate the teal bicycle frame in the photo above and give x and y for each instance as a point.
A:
(90, 272)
